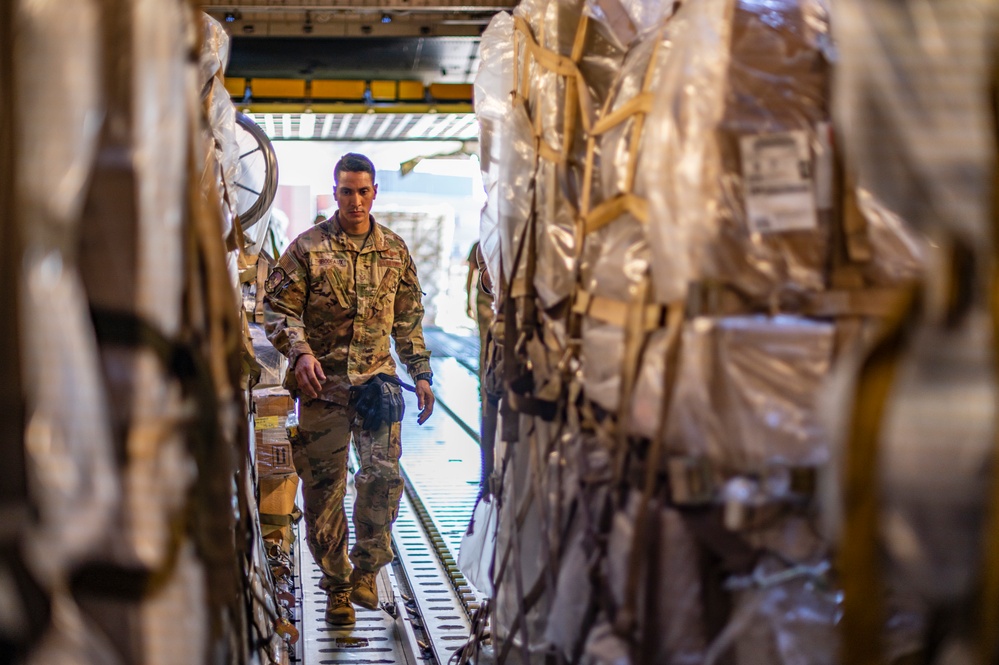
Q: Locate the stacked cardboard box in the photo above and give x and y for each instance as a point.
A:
(278, 482)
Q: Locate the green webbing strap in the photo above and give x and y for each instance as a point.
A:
(860, 554)
(271, 519)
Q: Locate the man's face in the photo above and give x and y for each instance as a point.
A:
(355, 192)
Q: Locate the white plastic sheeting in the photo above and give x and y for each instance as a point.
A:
(68, 445)
(718, 261)
(914, 100)
(493, 86)
(68, 440)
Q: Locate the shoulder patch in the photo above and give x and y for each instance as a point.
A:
(274, 281)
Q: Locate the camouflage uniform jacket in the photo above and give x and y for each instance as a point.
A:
(327, 299)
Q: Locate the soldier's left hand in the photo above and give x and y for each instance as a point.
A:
(424, 400)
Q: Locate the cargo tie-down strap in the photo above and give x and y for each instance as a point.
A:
(577, 101)
(128, 329)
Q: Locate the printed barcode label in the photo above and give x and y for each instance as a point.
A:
(777, 181)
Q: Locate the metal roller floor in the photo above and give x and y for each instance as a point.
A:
(425, 600)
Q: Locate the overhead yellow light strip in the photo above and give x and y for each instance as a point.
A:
(320, 95)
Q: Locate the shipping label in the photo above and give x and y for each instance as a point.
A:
(777, 177)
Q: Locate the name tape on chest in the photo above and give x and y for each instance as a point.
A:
(326, 262)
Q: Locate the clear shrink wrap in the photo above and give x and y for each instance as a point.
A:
(915, 104)
(912, 99)
(68, 447)
(583, 482)
(899, 253)
(134, 253)
(222, 120)
(558, 98)
(785, 609)
(647, 399)
(214, 50)
(615, 257)
(68, 444)
(747, 391)
(624, 22)
(518, 167)
(493, 86)
(667, 575)
(273, 365)
(221, 112)
(524, 547)
(740, 123)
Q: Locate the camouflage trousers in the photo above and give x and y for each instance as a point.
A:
(320, 456)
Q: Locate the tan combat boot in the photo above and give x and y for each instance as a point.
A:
(365, 591)
(339, 611)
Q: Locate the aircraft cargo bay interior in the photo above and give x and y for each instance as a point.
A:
(510, 332)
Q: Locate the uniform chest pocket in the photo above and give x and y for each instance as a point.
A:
(387, 286)
(330, 271)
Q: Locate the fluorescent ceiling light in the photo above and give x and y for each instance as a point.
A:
(327, 125)
(364, 125)
(306, 125)
(344, 124)
(419, 129)
(382, 128)
(401, 125)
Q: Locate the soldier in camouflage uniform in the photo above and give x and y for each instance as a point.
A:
(335, 296)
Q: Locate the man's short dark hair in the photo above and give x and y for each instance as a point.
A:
(354, 162)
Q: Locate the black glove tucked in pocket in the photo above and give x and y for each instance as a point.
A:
(379, 401)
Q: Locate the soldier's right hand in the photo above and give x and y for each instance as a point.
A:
(310, 375)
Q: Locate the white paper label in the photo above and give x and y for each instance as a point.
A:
(777, 177)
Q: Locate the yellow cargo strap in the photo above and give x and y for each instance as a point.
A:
(859, 556)
(855, 232)
(641, 103)
(637, 107)
(714, 299)
(612, 209)
(550, 60)
(576, 93)
(618, 312)
(626, 618)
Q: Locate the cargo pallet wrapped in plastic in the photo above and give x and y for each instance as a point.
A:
(135, 421)
(915, 413)
(668, 399)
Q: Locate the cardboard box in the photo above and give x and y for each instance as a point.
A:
(274, 455)
(272, 402)
(776, 94)
(277, 495)
(281, 534)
